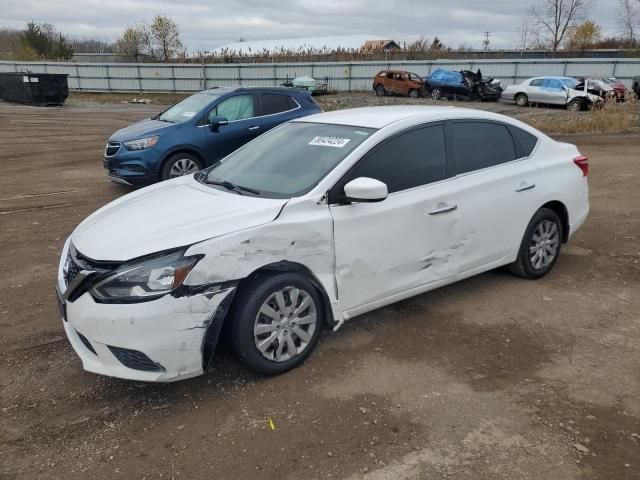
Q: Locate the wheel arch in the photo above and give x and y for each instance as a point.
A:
(287, 266)
(215, 329)
(181, 149)
(561, 210)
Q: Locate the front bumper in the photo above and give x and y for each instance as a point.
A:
(135, 168)
(157, 341)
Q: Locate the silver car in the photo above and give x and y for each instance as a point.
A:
(550, 91)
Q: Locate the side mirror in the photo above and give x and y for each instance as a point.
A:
(216, 122)
(365, 189)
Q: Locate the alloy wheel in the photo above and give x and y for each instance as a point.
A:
(285, 324)
(544, 244)
(183, 166)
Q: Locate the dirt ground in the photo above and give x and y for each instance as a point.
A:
(494, 377)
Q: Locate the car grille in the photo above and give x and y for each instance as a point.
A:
(135, 359)
(111, 149)
(113, 173)
(71, 269)
(86, 342)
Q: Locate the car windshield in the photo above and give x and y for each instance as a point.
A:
(288, 161)
(570, 82)
(187, 108)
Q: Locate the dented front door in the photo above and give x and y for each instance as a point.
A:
(406, 241)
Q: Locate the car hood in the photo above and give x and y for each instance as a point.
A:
(168, 215)
(142, 129)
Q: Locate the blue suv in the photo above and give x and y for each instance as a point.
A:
(199, 131)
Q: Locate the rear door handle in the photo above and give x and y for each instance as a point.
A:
(443, 208)
(524, 186)
(254, 128)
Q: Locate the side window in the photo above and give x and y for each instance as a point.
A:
(536, 83)
(553, 84)
(237, 107)
(525, 140)
(409, 160)
(276, 103)
(477, 145)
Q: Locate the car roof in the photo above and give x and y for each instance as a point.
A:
(551, 77)
(236, 88)
(380, 117)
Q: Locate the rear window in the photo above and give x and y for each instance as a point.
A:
(525, 140)
(478, 145)
(276, 103)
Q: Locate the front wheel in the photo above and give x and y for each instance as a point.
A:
(436, 93)
(540, 245)
(414, 93)
(574, 105)
(277, 322)
(380, 91)
(180, 164)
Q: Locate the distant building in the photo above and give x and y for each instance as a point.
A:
(379, 45)
(307, 45)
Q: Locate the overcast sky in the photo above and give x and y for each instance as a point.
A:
(206, 24)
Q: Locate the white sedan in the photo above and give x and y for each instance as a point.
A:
(317, 221)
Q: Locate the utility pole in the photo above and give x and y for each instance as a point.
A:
(485, 42)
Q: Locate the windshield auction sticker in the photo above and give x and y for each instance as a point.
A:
(337, 142)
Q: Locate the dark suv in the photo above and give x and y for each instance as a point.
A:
(200, 131)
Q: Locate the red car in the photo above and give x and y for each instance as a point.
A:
(619, 90)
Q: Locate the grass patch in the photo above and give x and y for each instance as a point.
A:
(611, 118)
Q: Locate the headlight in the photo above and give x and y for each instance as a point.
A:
(145, 280)
(141, 144)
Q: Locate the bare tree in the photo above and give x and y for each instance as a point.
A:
(554, 18)
(165, 38)
(131, 44)
(629, 19)
(527, 34)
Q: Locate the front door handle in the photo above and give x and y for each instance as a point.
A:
(524, 186)
(254, 128)
(443, 208)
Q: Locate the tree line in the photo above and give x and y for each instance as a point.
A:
(550, 25)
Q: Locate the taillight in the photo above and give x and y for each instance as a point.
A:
(582, 163)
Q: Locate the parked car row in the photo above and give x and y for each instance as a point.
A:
(575, 94)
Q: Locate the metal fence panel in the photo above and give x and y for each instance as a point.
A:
(144, 77)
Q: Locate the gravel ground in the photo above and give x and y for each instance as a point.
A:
(494, 377)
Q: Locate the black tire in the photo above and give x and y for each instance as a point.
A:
(414, 93)
(523, 266)
(247, 306)
(521, 99)
(380, 91)
(436, 93)
(574, 105)
(173, 160)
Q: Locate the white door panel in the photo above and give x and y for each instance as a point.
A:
(384, 248)
(495, 206)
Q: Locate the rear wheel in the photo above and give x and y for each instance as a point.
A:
(277, 322)
(522, 100)
(540, 245)
(436, 93)
(380, 91)
(180, 164)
